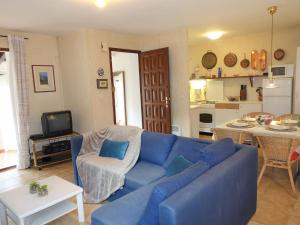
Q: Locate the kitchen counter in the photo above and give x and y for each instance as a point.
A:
(194, 105)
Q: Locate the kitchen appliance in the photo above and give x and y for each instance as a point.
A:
(286, 70)
(278, 101)
(297, 84)
(206, 118)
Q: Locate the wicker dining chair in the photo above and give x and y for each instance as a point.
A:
(277, 151)
(288, 116)
(254, 114)
(238, 137)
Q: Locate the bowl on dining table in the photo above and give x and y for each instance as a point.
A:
(249, 119)
(239, 124)
(289, 122)
(264, 119)
(278, 127)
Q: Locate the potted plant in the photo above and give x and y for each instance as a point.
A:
(43, 190)
(33, 188)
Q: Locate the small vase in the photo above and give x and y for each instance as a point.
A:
(33, 190)
(43, 193)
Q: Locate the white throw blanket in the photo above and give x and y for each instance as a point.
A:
(102, 176)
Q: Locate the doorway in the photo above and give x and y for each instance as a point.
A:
(126, 87)
(8, 146)
(141, 88)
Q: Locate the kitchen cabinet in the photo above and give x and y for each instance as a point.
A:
(225, 112)
(224, 115)
(249, 107)
(229, 111)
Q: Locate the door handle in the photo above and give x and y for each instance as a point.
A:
(167, 101)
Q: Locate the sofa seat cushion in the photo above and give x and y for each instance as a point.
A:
(166, 188)
(155, 147)
(190, 149)
(143, 173)
(218, 151)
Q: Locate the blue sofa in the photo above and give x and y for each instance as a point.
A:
(225, 194)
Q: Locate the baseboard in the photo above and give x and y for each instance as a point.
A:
(7, 168)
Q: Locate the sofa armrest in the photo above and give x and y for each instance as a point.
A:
(76, 143)
(226, 194)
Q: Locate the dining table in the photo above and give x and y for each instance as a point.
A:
(256, 129)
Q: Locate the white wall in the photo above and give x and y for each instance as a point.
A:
(81, 56)
(40, 49)
(129, 63)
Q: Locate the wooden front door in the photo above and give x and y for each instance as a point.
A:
(155, 90)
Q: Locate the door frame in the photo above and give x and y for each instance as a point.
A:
(110, 49)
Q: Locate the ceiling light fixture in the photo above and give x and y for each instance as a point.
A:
(272, 10)
(214, 35)
(100, 3)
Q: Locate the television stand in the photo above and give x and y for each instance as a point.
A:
(40, 159)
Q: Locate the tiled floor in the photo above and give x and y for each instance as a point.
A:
(7, 159)
(277, 205)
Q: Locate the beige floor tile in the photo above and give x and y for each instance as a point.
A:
(277, 205)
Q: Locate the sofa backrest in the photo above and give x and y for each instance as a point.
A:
(190, 148)
(155, 147)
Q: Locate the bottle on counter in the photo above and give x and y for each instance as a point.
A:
(243, 93)
(219, 72)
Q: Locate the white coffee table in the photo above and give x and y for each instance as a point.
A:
(30, 209)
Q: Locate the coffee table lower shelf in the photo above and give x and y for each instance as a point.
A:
(47, 215)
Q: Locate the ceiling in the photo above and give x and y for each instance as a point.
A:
(147, 16)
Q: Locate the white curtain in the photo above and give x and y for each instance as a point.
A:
(20, 97)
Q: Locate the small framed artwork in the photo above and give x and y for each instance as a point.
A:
(43, 78)
(102, 83)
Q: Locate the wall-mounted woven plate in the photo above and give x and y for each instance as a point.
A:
(279, 54)
(209, 60)
(230, 59)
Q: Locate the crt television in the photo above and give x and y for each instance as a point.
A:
(57, 123)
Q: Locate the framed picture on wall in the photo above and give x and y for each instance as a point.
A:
(102, 83)
(43, 78)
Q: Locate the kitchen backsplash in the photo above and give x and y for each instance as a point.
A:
(232, 88)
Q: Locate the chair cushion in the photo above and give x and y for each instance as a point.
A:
(143, 173)
(178, 165)
(191, 149)
(155, 147)
(166, 188)
(218, 151)
(114, 149)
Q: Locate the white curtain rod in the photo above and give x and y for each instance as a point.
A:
(5, 36)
